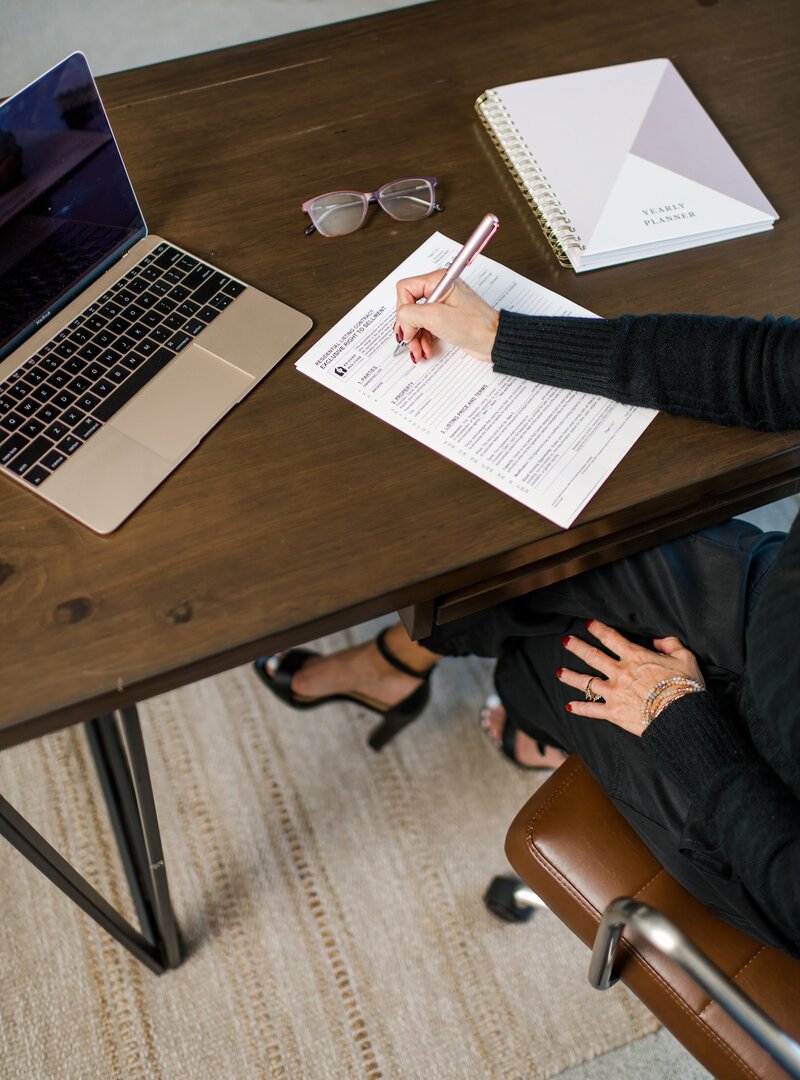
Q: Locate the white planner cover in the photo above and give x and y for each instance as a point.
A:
(635, 161)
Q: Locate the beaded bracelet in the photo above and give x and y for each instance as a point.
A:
(664, 693)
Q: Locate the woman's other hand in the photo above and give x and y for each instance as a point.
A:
(624, 683)
(461, 318)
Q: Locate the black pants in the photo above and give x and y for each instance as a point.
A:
(701, 589)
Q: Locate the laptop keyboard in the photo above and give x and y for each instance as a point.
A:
(62, 395)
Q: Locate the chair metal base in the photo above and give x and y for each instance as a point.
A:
(511, 900)
(119, 755)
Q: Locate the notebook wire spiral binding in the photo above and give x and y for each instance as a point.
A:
(561, 234)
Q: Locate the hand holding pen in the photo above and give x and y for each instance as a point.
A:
(464, 319)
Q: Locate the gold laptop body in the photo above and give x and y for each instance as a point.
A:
(79, 425)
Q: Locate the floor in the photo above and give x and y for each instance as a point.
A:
(330, 902)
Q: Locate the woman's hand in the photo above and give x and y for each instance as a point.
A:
(461, 318)
(628, 680)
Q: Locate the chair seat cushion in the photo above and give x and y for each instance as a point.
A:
(571, 845)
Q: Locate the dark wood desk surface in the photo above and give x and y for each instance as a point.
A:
(300, 513)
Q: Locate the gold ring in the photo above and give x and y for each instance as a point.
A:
(590, 694)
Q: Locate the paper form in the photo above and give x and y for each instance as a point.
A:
(550, 449)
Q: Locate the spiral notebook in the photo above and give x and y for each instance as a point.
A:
(622, 163)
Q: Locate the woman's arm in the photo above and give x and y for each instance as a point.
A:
(711, 367)
(743, 811)
(726, 370)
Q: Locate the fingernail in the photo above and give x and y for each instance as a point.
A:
(413, 361)
(589, 624)
(559, 672)
(565, 639)
(399, 337)
(568, 707)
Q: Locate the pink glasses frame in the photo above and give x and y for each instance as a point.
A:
(374, 197)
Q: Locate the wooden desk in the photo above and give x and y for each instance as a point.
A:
(301, 514)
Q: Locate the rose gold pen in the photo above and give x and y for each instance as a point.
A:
(474, 246)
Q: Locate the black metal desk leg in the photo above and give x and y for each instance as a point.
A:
(119, 754)
(37, 851)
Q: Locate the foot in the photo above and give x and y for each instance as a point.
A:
(361, 670)
(526, 749)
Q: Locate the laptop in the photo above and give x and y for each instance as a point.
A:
(119, 351)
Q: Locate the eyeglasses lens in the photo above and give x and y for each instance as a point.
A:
(407, 200)
(337, 214)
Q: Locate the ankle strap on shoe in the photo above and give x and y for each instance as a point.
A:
(390, 658)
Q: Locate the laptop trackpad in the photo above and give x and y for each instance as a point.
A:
(173, 412)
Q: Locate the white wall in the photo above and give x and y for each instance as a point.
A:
(121, 34)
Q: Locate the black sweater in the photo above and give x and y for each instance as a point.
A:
(745, 790)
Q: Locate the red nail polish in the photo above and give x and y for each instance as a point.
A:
(413, 361)
(559, 672)
(565, 639)
(568, 707)
(589, 624)
(399, 337)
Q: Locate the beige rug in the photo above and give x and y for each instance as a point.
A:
(331, 898)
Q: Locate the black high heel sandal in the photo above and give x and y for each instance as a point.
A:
(394, 719)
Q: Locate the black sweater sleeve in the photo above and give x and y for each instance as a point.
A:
(726, 370)
(739, 806)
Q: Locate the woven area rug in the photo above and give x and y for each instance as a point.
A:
(330, 898)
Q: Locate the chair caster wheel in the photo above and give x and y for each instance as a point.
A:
(511, 900)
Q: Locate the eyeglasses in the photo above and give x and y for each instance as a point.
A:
(338, 213)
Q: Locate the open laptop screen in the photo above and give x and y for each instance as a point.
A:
(67, 208)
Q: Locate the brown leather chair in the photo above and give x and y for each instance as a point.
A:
(572, 847)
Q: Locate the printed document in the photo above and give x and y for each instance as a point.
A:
(550, 449)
